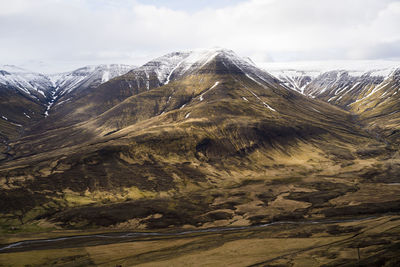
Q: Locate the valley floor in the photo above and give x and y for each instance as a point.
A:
(362, 242)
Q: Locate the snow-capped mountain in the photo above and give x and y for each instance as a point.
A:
(165, 69)
(26, 96)
(32, 84)
(295, 79)
(344, 87)
(89, 76)
(45, 87)
(80, 79)
(341, 83)
(368, 89)
(85, 102)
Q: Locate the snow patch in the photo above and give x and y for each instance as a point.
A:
(316, 110)
(105, 77)
(16, 124)
(330, 99)
(374, 90)
(265, 104)
(212, 87)
(147, 80)
(172, 71)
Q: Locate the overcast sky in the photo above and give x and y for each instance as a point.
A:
(60, 35)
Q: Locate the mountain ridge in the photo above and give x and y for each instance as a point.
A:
(193, 141)
(369, 92)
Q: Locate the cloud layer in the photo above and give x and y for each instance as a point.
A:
(56, 35)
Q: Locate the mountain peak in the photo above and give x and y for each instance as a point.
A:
(177, 64)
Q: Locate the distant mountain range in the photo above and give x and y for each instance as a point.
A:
(194, 139)
(27, 96)
(369, 91)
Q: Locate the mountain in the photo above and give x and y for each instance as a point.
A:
(23, 98)
(31, 84)
(26, 97)
(160, 71)
(89, 76)
(29, 96)
(193, 139)
(369, 91)
(378, 107)
(296, 80)
(70, 84)
(340, 86)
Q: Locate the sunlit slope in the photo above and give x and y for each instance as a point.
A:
(184, 152)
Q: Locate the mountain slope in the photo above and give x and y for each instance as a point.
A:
(23, 98)
(69, 86)
(153, 74)
(89, 76)
(343, 87)
(26, 97)
(31, 84)
(379, 108)
(369, 93)
(219, 142)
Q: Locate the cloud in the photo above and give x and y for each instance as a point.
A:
(71, 33)
(383, 50)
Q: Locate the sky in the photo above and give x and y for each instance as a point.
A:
(61, 35)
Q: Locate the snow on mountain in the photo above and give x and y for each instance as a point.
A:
(299, 75)
(89, 76)
(295, 79)
(178, 64)
(35, 85)
(355, 67)
(80, 79)
(342, 83)
(337, 82)
(48, 89)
